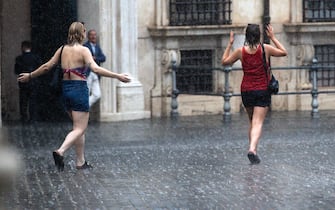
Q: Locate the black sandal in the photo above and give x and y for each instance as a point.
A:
(59, 161)
(86, 165)
(253, 158)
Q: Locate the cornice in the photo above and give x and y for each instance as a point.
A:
(309, 27)
(184, 31)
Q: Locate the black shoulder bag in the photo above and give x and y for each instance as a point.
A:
(57, 76)
(273, 85)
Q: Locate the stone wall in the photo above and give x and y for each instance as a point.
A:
(286, 18)
(15, 27)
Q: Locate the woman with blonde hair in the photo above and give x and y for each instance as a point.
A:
(75, 61)
(254, 87)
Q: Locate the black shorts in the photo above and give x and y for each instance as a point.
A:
(256, 98)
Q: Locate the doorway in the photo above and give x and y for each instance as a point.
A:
(50, 21)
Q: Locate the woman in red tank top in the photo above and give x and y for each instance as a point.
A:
(255, 96)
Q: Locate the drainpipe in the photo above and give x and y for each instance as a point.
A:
(266, 20)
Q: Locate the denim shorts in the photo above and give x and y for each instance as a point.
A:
(256, 98)
(75, 95)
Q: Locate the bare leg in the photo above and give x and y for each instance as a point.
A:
(80, 150)
(250, 111)
(257, 119)
(80, 121)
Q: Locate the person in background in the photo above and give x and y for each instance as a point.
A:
(26, 63)
(254, 87)
(93, 80)
(76, 59)
(93, 88)
(95, 49)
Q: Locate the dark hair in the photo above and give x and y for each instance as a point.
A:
(26, 44)
(252, 35)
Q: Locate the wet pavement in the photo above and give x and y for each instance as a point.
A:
(188, 163)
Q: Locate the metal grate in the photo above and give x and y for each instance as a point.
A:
(319, 10)
(194, 75)
(200, 12)
(325, 55)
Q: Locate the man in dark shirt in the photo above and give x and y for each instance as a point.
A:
(26, 63)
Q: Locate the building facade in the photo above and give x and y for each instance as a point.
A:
(142, 37)
(199, 32)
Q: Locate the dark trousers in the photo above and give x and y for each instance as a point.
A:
(25, 96)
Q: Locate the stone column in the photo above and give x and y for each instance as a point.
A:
(118, 26)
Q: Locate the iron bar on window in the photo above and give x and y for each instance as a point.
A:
(325, 54)
(191, 78)
(318, 10)
(200, 12)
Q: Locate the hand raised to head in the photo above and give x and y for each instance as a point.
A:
(269, 31)
(231, 40)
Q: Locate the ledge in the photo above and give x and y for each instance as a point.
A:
(124, 116)
(309, 27)
(180, 31)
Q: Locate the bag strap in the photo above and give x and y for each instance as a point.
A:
(264, 63)
(60, 56)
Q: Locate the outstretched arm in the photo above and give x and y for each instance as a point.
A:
(228, 59)
(102, 71)
(25, 77)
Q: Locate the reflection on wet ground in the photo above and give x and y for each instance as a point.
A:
(188, 163)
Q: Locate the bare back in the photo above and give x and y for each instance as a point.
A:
(73, 57)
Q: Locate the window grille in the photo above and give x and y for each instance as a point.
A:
(325, 55)
(194, 75)
(319, 10)
(200, 12)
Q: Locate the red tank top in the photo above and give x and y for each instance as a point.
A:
(254, 77)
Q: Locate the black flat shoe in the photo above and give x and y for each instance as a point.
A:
(253, 158)
(86, 165)
(59, 161)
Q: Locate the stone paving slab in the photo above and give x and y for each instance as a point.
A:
(188, 163)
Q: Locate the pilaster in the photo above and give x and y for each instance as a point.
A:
(121, 101)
